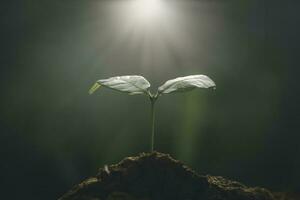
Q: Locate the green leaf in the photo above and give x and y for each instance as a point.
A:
(186, 83)
(129, 84)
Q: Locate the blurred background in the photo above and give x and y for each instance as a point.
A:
(53, 134)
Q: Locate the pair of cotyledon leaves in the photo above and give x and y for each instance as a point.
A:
(139, 85)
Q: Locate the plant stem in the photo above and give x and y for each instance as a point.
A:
(153, 100)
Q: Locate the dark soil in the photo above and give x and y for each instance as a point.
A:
(156, 176)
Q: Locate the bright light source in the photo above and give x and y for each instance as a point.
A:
(147, 10)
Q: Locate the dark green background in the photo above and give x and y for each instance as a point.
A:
(53, 134)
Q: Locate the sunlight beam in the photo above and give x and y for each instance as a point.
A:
(147, 10)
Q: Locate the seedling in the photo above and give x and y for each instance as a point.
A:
(134, 84)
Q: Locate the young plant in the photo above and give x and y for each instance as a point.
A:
(134, 84)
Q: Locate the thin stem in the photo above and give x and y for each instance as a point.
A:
(153, 100)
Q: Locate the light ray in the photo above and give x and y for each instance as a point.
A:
(147, 11)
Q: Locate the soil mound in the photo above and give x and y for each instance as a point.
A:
(157, 176)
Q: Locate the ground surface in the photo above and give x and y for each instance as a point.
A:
(157, 176)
